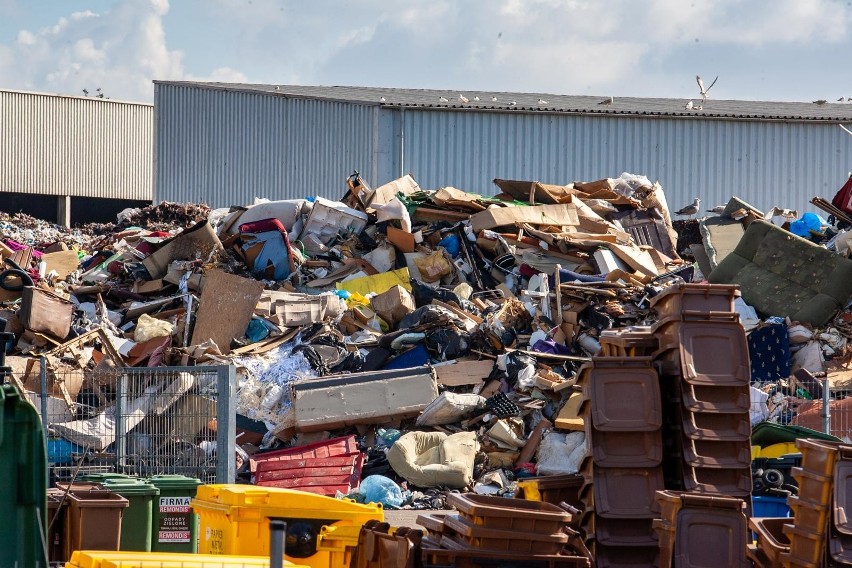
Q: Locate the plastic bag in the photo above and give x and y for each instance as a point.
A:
(561, 453)
(380, 489)
(433, 267)
(148, 328)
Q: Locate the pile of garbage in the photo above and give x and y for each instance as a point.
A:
(443, 330)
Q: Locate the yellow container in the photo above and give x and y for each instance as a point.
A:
(778, 450)
(234, 519)
(129, 559)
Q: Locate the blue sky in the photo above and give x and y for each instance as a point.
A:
(791, 50)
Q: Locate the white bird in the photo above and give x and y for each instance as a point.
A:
(689, 105)
(277, 88)
(463, 99)
(476, 98)
(513, 103)
(607, 101)
(840, 100)
(718, 210)
(690, 210)
(444, 99)
(493, 99)
(701, 88)
(382, 99)
(542, 102)
(699, 107)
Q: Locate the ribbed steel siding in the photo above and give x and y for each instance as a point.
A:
(53, 145)
(764, 163)
(226, 148)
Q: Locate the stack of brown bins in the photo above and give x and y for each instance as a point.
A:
(704, 375)
(701, 530)
(840, 529)
(623, 417)
(491, 531)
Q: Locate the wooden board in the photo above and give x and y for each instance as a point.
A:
(463, 373)
(225, 308)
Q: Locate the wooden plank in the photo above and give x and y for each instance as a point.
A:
(463, 373)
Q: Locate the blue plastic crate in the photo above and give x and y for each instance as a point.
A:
(768, 506)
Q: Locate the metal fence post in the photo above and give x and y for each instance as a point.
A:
(226, 424)
(826, 408)
(120, 450)
(42, 379)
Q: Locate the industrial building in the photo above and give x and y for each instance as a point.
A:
(74, 159)
(226, 144)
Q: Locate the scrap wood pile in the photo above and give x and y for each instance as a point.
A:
(444, 330)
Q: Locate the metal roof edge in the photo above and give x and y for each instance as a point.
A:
(84, 98)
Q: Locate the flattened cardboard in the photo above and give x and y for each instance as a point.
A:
(384, 193)
(402, 240)
(376, 397)
(558, 215)
(63, 262)
(196, 242)
(225, 308)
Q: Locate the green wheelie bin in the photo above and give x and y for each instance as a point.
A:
(138, 517)
(175, 526)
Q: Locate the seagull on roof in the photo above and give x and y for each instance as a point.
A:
(542, 102)
(444, 99)
(840, 100)
(463, 99)
(718, 210)
(606, 101)
(493, 99)
(690, 210)
(689, 105)
(513, 103)
(701, 88)
(476, 98)
(382, 99)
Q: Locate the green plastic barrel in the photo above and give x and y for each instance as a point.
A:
(175, 526)
(137, 520)
(23, 490)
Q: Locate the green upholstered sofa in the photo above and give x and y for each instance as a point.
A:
(781, 274)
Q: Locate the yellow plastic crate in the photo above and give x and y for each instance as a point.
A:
(128, 559)
(234, 519)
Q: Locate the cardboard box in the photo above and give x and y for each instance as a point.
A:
(45, 312)
(197, 241)
(557, 215)
(393, 305)
(376, 397)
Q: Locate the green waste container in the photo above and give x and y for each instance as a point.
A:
(137, 519)
(23, 490)
(175, 526)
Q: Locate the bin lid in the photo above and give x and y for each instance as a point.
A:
(173, 481)
(280, 502)
(99, 477)
(129, 487)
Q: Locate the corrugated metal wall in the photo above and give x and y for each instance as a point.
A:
(226, 148)
(54, 145)
(765, 163)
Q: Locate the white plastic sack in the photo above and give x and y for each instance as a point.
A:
(561, 453)
(758, 410)
(748, 315)
(148, 328)
(394, 209)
